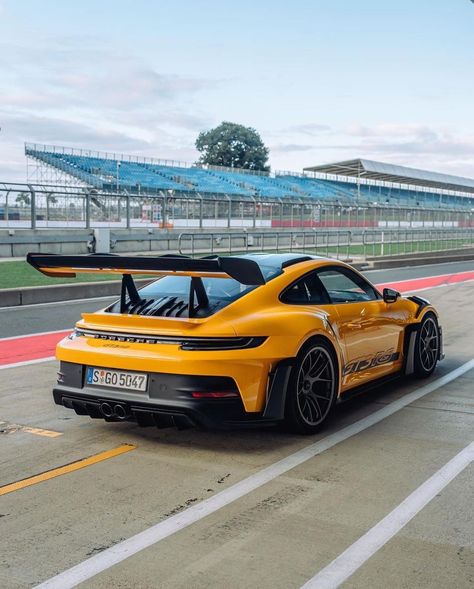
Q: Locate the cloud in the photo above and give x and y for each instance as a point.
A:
(286, 147)
(129, 87)
(53, 130)
(422, 146)
(392, 130)
(406, 140)
(84, 95)
(185, 120)
(311, 129)
(85, 76)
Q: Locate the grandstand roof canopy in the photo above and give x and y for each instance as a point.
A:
(362, 168)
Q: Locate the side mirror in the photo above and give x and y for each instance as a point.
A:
(390, 295)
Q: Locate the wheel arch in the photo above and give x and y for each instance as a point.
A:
(409, 340)
(336, 348)
(279, 378)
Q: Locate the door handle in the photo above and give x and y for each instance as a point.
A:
(354, 325)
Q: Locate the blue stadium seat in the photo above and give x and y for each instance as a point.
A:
(106, 173)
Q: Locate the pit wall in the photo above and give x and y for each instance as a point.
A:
(18, 242)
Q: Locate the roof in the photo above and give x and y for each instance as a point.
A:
(272, 264)
(362, 168)
(280, 260)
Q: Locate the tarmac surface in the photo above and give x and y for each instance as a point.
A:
(280, 533)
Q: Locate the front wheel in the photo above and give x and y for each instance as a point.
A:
(313, 387)
(427, 346)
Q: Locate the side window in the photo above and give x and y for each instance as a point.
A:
(345, 286)
(306, 291)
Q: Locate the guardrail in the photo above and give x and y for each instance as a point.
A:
(336, 244)
(40, 206)
(405, 241)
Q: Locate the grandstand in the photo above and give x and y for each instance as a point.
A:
(351, 182)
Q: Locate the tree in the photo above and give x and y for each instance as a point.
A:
(23, 199)
(234, 146)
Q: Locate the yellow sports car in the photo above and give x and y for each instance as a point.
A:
(227, 341)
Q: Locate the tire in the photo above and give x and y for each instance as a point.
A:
(427, 346)
(313, 387)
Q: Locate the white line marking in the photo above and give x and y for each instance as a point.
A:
(2, 339)
(437, 286)
(345, 565)
(123, 550)
(27, 362)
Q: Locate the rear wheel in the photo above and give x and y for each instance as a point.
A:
(427, 346)
(313, 387)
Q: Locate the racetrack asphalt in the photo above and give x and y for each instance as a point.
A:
(281, 534)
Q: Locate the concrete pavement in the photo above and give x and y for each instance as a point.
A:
(281, 534)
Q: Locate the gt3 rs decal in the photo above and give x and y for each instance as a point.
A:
(366, 362)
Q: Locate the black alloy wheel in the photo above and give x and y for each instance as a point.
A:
(313, 387)
(427, 346)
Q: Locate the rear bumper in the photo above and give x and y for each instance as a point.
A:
(248, 368)
(167, 402)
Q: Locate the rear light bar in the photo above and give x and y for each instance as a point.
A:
(185, 343)
(214, 395)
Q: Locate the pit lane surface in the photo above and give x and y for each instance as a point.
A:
(279, 535)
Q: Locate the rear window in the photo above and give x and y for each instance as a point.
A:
(218, 290)
(170, 296)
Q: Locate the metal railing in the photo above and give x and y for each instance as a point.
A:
(346, 244)
(406, 241)
(55, 206)
(336, 242)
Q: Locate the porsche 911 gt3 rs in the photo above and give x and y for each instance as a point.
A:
(227, 341)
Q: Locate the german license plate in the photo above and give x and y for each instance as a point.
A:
(103, 377)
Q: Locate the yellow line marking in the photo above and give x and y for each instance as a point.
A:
(67, 468)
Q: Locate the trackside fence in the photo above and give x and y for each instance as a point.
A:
(41, 206)
(337, 244)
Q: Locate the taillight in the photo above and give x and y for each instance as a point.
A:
(214, 394)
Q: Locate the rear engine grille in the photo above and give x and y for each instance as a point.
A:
(166, 306)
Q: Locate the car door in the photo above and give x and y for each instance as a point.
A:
(372, 333)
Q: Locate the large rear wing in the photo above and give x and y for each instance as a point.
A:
(243, 270)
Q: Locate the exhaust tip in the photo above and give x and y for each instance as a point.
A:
(106, 409)
(120, 412)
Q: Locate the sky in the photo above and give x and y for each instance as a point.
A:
(321, 80)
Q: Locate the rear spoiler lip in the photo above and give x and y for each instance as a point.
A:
(243, 270)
